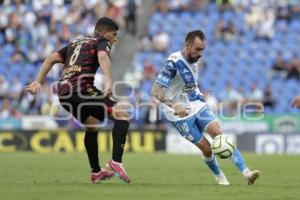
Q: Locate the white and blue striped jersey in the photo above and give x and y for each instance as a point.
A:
(179, 80)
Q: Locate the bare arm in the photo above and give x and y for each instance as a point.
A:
(104, 62)
(47, 66)
(48, 63)
(158, 93)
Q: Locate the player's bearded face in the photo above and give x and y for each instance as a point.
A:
(193, 57)
(195, 50)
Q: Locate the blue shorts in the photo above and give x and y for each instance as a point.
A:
(192, 128)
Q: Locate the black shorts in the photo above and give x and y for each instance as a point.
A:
(81, 107)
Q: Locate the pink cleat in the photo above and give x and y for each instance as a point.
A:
(101, 176)
(119, 170)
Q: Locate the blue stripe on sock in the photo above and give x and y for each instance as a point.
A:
(213, 165)
(238, 160)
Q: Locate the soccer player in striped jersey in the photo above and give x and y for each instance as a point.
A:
(77, 94)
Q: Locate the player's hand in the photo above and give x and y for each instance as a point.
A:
(296, 102)
(108, 90)
(33, 88)
(180, 111)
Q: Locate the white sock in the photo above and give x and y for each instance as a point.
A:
(116, 162)
(246, 171)
(208, 159)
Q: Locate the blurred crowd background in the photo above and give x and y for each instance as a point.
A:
(252, 50)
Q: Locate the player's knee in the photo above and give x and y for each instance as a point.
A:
(205, 148)
(91, 124)
(92, 129)
(122, 115)
(125, 116)
(207, 151)
(214, 129)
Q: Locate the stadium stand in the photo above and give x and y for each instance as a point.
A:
(244, 41)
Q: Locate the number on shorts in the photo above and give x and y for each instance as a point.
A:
(75, 55)
(184, 127)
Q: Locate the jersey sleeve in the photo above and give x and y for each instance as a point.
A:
(104, 45)
(166, 74)
(63, 52)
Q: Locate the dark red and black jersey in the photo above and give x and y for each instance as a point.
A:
(81, 63)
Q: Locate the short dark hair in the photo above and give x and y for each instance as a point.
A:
(106, 24)
(190, 36)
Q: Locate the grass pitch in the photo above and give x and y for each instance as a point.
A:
(30, 176)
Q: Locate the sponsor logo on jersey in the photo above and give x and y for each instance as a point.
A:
(170, 64)
(188, 88)
(188, 77)
(163, 78)
(165, 71)
(185, 71)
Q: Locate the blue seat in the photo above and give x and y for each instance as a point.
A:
(243, 62)
(172, 18)
(185, 16)
(8, 49)
(156, 17)
(1, 39)
(228, 15)
(295, 25)
(153, 28)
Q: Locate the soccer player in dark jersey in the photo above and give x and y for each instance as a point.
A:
(81, 59)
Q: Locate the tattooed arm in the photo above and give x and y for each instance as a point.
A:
(158, 93)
